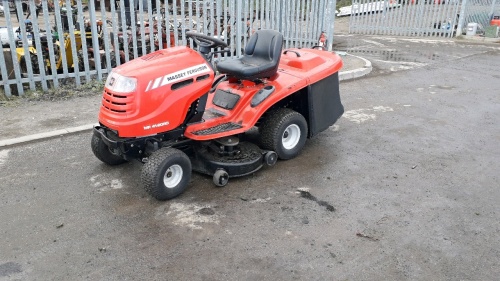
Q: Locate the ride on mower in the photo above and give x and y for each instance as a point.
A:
(170, 110)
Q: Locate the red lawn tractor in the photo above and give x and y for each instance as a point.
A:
(174, 112)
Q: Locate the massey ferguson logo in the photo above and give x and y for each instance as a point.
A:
(177, 76)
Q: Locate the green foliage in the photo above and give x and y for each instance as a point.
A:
(343, 3)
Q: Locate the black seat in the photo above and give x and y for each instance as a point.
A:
(260, 60)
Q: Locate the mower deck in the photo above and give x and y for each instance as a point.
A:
(238, 160)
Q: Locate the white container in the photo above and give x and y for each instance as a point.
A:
(471, 29)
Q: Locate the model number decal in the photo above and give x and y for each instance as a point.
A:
(177, 76)
(156, 125)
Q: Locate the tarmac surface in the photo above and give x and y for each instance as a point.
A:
(403, 187)
(36, 120)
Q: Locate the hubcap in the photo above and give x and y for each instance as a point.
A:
(291, 136)
(173, 176)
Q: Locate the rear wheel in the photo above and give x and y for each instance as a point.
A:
(284, 131)
(166, 174)
(103, 152)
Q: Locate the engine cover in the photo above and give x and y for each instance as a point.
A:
(169, 82)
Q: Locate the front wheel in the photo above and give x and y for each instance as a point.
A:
(166, 174)
(103, 152)
(284, 131)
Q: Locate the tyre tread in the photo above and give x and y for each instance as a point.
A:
(101, 151)
(269, 138)
(150, 169)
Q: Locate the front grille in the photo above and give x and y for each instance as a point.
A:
(117, 103)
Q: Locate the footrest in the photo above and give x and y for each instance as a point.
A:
(218, 129)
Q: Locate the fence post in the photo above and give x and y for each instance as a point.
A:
(492, 9)
(239, 26)
(462, 17)
(17, 70)
(330, 22)
(280, 18)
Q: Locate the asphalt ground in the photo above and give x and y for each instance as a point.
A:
(403, 187)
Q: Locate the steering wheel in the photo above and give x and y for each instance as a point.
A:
(206, 41)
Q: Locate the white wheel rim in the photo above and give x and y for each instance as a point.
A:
(173, 176)
(291, 136)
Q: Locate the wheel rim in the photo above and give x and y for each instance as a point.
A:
(291, 136)
(172, 176)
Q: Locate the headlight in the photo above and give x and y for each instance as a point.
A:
(121, 84)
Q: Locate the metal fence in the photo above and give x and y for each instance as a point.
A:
(441, 18)
(81, 42)
(478, 11)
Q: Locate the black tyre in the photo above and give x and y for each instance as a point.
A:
(284, 131)
(81, 63)
(270, 158)
(166, 174)
(112, 60)
(34, 63)
(102, 152)
(23, 65)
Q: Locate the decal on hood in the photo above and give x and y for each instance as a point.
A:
(177, 76)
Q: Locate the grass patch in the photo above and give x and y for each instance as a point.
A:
(343, 3)
(64, 91)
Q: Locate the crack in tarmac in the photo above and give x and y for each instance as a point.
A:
(309, 196)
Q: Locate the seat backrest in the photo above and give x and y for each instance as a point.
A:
(260, 59)
(265, 44)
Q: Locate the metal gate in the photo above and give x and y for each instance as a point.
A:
(477, 11)
(83, 42)
(442, 18)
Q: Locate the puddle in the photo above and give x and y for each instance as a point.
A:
(428, 55)
(370, 51)
(9, 268)
(206, 211)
